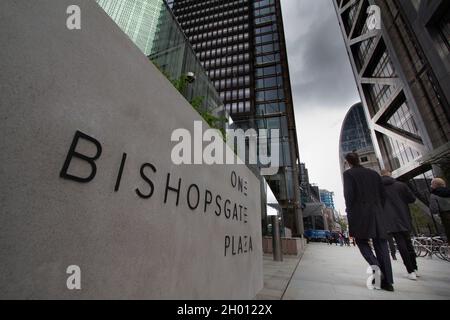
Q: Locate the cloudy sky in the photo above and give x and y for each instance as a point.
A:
(323, 87)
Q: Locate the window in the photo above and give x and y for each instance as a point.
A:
(268, 71)
(399, 153)
(268, 58)
(264, 11)
(269, 95)
(403, 120)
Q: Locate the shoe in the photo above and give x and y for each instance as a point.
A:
(417, 273)
(387, 286)
(412, 276)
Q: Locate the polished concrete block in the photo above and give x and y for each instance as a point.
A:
(55, 82)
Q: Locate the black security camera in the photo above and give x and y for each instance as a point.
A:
(190, 77)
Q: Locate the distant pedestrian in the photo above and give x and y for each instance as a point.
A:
(346, 240)
(364, 197)
(440, 203)
(329, 239)
(396, 208)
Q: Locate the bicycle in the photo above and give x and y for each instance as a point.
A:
(444, 251)
(427, 246)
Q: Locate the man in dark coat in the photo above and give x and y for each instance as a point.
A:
(364, 198)
(396, 209)
(440, 203)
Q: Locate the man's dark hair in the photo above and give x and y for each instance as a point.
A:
(353, 159)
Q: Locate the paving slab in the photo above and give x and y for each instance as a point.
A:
(277, 275)
(334, 273)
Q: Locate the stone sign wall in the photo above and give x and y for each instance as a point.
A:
(91, 205)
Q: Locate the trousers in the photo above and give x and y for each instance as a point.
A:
(406, 249)
(381, 257)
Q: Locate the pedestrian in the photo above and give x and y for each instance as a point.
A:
(341, 239)
(396, 209)
(392, 247)
(364, 198)
(346, 239)
(440, 203)
(329, 239)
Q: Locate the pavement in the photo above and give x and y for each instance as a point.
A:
(277, 276)
(327, 272)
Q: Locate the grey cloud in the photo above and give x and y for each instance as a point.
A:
(321, 75)
(323, 86)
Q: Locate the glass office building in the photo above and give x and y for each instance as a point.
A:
(402, 72)
(137, 18)
(327, 198)
(355, 137)
(355, 134)
(151, 25)
(241, 45)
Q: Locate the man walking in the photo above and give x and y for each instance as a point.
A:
(396, 209)
(440, 203)
(364, 198)
(392, 247)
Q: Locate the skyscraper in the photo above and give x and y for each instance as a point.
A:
(327, 198)
(242, 47)
(150, 24)
(138, 19)
(400, 59)
(355, 137)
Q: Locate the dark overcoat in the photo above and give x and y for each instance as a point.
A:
(364, 198)
(396, 207)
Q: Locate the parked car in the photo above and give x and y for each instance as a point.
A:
(316, 235)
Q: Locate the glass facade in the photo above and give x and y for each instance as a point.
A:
(240, 43)
(400, 71)
(398, 126)
(403, 120)
(355, 134)
(364, 48)
(327, 198)
(356, 137)
(220, 35)
(151, 25)
(380, 93)
(304, 184)
(399, 154)
(351, 16)
(138, 19)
